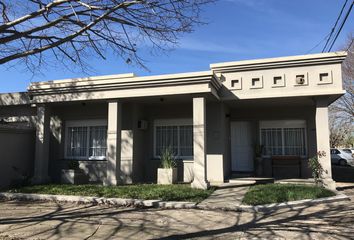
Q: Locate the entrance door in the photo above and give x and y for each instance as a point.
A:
(241, 147)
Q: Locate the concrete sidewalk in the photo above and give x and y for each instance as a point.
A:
(227, 196)
(53, 221)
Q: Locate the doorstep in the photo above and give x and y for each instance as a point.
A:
(251, 180)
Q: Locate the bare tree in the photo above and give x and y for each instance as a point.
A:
(34, 31)
(339, 132)
(342, 111)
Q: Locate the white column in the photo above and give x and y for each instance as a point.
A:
(126, 164)
(322, 140)
(199, 144)
(42, 145)
(114, 143)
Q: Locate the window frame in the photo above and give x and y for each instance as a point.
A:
(83, 123)
(282, 124)
(172, 122)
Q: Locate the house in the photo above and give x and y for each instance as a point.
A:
(117, 125)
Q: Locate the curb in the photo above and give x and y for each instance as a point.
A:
(293, 204)
(277, 206)
(123, 202)
(119, 202)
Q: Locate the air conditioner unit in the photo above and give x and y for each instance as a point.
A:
(300, 79)
(142, 124)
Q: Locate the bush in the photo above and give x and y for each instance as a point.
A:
(168, 159)
(316, 167)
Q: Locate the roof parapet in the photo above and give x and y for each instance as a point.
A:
(280, 62)
(113, 77)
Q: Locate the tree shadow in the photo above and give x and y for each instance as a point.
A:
(55, 221)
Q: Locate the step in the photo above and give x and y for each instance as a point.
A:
(308, 181)
(251, 180)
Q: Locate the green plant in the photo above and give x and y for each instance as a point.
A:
(277, 193)
(168, 158)
(176, 192)
(73, 165)
(316, 167)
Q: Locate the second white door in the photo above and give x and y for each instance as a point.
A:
(241, 147)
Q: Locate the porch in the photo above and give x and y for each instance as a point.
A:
(274, 138)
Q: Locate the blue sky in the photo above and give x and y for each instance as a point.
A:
(236, 30)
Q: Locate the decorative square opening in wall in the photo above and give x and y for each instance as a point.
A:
(236, 84)
(256, 82)
(278, 81)
(301, 79)
(325, 78)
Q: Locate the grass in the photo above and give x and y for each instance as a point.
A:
(277, 193)
(177, 192)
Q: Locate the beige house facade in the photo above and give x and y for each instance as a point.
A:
(263, 117)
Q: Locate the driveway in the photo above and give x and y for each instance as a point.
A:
(26, 220)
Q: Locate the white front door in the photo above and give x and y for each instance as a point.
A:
(241, 147)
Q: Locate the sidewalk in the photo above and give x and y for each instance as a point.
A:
(227, 196)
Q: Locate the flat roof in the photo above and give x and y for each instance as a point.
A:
(308, 58)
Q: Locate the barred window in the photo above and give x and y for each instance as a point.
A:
(177, 137)
(87, 141)
(284, 141)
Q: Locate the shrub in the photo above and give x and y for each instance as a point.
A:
(316, 167)
(168, 158)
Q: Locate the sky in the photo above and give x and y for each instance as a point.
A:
(235, 30)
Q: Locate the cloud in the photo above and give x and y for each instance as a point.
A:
(248, 3)
(262, 6)
(208, 46)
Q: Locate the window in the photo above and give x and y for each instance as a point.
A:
(86, 140)
(174, 134)
(288, 138)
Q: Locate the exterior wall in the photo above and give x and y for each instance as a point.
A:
(256, 114)
(217, 134)
(216, 145)
(164, 110)
(17, 151)
(277, 76)
(289, 87)
(142, 166)
(96, 170)
(227, 144)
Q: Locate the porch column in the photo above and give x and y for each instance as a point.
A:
(322, 140)
(199, 144)
(42, 145)
(114, 143)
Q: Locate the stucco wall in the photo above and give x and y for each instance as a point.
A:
(164, 110)
(144, 165)
(217, 143)
(95, 170)
(17, 151)
(256, 114)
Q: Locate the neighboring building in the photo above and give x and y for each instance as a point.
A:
(117, 125)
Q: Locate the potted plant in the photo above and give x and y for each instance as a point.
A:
(258, 150)
(167, 173)
(72, 174)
